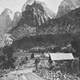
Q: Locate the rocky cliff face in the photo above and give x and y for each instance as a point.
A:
(66, 6)
(31, 24)
(16, 18)
(69, 23)
(34, 15)
(33, 19)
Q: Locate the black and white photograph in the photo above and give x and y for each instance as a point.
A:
(39, 39)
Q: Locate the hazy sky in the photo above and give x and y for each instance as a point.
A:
(16, 5)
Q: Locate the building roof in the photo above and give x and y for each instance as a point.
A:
(61, 56)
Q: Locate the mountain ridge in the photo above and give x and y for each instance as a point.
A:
(33, 16)
(67, 6)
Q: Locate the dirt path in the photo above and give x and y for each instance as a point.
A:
(31, 76)
(23, 76)
(21, 71)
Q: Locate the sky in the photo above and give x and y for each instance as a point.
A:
(16, 5)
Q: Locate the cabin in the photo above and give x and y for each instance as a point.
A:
(65, 62)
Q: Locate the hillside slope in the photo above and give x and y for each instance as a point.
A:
(66, 6)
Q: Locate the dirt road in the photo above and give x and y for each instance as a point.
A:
(25, 74)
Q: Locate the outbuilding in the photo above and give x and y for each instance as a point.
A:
(66, 61)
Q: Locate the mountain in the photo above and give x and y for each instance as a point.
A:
(46, 9)
(9, 20)
(34, 14)
(66, 6)
(5, 24)
(60, 32)
(69, 23)
(5, 21)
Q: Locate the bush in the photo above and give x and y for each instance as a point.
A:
(7, 58)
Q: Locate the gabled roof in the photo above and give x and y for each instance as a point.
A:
(61, 56)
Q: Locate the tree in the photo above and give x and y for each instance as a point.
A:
(76, 45)
(8, 55)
